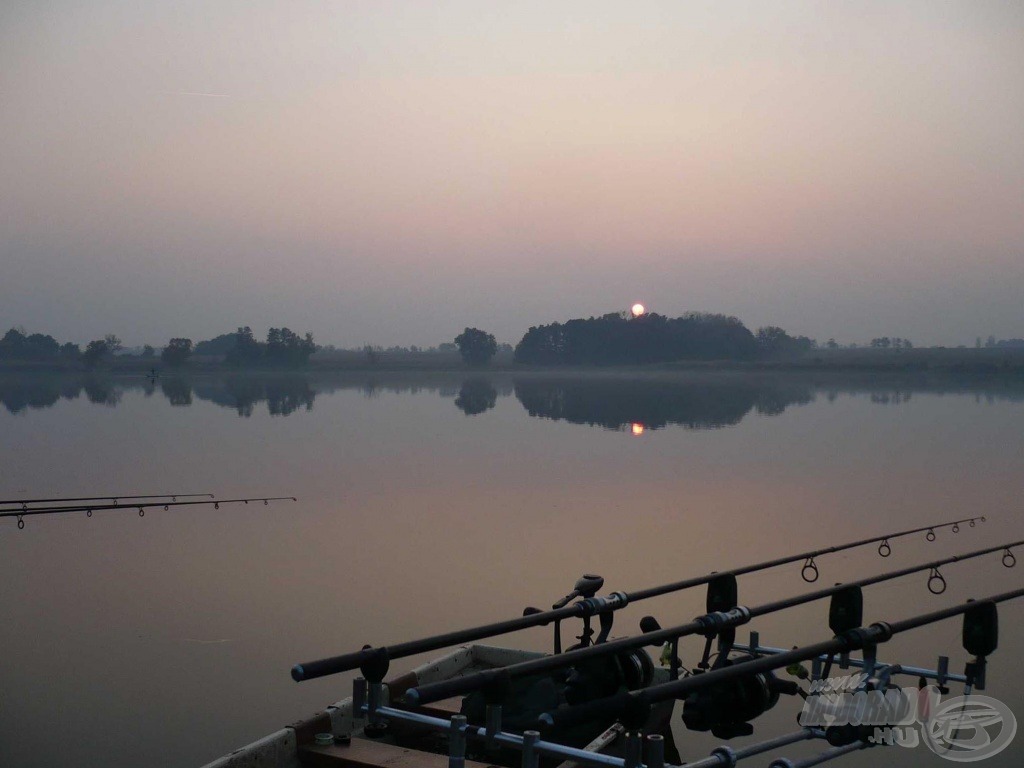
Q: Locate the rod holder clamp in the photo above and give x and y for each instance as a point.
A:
(712, 623)
(727, 756)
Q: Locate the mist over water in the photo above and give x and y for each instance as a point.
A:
(428, 502)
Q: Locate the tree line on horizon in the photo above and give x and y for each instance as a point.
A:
(610, 339)
(282, 348)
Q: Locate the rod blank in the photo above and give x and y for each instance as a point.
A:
(90, 508)
(311, 670)
(114, 499)
(446, 688)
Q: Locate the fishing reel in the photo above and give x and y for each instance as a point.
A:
(607, 675)
(726, 709)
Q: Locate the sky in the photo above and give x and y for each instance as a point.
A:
(392, 172)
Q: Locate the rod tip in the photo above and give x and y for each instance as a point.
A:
(298, 673)
(412, 697)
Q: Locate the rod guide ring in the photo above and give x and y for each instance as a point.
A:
(809, 572)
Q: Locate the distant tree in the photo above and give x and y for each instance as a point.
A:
(246, 350)
(372, 354)
(283, 347)
(113, 343)
(977, 343)
(990, 342)
(831, 344)
(476, 347)
(614, 339)
(70, 351)
(17, 344)
(287, 348)
(772, 341)
(176, 352)
(12, 345)
(148, 352)
(218, 345)
(95, 351)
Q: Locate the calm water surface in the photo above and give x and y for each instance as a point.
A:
(431, 502)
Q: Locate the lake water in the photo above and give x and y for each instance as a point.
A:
(430, 502)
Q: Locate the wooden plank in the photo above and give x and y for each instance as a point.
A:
(598, 744)
(366, 753)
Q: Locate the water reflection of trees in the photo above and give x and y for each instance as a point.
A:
(178, 391)
(615, 403)
(476, 396)
(701, 401)
(282, 394)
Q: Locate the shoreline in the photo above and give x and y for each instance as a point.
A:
(972, 363)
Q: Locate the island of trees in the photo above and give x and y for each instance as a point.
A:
(617, 339)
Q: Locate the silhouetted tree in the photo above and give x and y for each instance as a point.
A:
(772, 341)
(247, 350)
(17, 345)
(70, 351)
(95, 351)
(218, 345)
(177, 352)
(113, 343)
(476, 347)
(614, 339)
(283, 347)
(148, 352)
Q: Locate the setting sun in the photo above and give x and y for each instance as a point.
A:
(638, 429)
(638, 309)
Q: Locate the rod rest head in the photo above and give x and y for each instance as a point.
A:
(586, 585)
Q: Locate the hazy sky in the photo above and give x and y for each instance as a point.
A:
(389, 173)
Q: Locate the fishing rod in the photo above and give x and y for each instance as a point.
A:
(980, 640)
(726, 616)
(590, 605)
(113, 499)
(90, 508)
